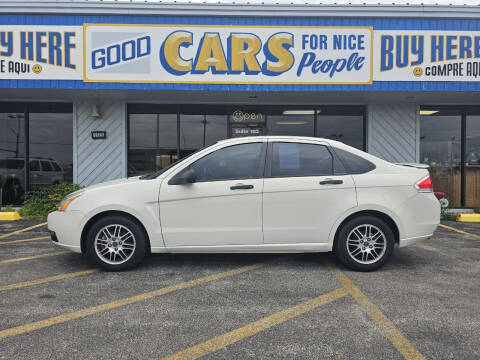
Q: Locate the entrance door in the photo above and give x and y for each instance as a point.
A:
(223, 204)
(302, 195)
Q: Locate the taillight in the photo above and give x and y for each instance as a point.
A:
(424, 184)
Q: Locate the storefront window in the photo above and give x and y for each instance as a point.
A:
(342, 123)
(157, 135)
(152, 142)
(472, 159)
(50, 159)
(51, 143)
(440, 147)
(201, 126)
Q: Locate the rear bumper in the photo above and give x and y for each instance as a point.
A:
(66, 229)
(420, 217)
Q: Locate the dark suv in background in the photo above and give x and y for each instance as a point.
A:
(43, 172)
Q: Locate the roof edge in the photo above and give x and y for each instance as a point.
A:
(235, 10)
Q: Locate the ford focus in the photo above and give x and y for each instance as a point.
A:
(255, 195)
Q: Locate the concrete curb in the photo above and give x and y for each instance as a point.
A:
(9, 216)
(468, 217)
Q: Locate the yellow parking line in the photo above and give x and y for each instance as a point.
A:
(47, 279)
(459, 231)
(394, 335)
(22, 329)
(24, 240)
(33, 257)
(22, 230)
(253, 328)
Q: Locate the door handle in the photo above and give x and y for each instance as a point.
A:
(240, 187)
(331, 182)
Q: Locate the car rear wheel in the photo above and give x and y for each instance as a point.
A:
(364, 243)
(116, 243)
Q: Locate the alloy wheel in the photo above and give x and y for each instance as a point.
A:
(115, 244)
(366, 244)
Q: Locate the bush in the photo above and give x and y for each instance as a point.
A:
(476, 210)
(8, 208)
(445, 215)
(39, 203)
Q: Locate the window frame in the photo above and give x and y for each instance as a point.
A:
(260, 170)
(268, 166)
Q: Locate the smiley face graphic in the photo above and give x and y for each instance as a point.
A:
(417, 71)
(37, 69)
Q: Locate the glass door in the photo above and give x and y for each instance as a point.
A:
(440, 147)
(472, 159)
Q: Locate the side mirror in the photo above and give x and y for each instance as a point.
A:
(186, 177)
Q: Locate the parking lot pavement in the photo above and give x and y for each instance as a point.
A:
(424, 304)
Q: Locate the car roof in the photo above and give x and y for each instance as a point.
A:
(281, 137)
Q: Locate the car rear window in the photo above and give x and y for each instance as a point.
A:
(354, 164)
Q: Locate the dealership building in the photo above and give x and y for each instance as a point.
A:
(92, 91)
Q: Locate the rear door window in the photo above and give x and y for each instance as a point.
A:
(300, 159)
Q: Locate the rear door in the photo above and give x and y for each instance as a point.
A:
(305, 192)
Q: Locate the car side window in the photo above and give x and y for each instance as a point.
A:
(229, 163)
(354, 164)
(46, 166)
(299, 159)
(34, 165)
(56, 167)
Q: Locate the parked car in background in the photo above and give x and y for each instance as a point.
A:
(43, 172)
(255, 194)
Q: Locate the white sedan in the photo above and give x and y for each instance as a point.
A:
(257, 194)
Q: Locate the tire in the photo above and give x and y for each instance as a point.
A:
(116, 243)
(355, 255)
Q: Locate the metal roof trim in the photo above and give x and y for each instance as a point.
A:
(240, 9)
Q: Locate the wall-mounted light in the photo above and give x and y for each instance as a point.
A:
(95, 112)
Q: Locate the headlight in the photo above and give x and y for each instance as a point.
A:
(68, 199)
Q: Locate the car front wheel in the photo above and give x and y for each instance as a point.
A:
(116, 243)
(364, 243)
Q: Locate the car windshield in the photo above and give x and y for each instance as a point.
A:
(156, 174)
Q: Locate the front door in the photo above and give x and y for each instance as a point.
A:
(303, 195)
(224, 204)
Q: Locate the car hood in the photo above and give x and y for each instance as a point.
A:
(113, 183)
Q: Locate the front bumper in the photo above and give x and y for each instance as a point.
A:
(67, 228)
